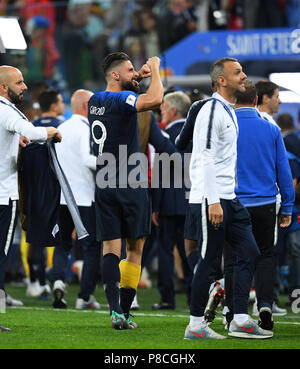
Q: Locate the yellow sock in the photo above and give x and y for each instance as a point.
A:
(130, 274)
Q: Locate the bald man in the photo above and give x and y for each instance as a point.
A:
(14, 129)
(78, 164)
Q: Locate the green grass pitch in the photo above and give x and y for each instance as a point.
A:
(37, 325)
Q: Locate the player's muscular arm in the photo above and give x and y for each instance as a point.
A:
(154, 95)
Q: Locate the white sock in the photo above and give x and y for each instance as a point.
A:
(225, 310)
(240, 318)
(195, 321)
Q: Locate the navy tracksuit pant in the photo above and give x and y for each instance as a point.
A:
(171, 229)
(236, 230)
(91, 250)
(263, 219)
(8, 222)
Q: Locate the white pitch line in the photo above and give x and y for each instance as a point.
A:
(160, 315)
(95, 311)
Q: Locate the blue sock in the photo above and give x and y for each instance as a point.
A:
(111, 281)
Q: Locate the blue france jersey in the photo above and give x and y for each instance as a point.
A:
(46, 122)
(114, 130)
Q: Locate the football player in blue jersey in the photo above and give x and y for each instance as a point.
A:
(122, 198)
(52, 106)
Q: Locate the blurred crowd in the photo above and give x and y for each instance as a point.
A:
(68, 39)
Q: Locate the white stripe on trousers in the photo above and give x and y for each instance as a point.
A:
(204, 229)
(11, 227)
(278, 204)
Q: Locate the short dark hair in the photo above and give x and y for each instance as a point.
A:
(265, 87)
(285, 121)
(247, 96)
(112, 60)
(48, 97)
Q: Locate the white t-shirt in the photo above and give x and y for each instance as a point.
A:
(77, 162)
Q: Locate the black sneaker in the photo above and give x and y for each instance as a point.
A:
(3, 329)
(265, 320)
(118, 321)
(59, 295)
(163, 306)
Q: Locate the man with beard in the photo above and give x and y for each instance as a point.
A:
(215, 215)
(13, 124)
(122, 197)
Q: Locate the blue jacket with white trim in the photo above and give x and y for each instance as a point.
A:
(171, 201)
(262, 163)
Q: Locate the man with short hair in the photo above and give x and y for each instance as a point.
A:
(122, 196)
(268, 103)
(79, 165)
(13, 124)
(52, 106)
(263, 171)
(215, 212)
(268, 100)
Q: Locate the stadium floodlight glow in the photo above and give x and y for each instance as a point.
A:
(289, 97)
(11, 36)
(289, 81)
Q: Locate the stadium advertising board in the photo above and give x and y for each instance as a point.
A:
(256, 44)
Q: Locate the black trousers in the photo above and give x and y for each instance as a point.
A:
(170, 234)
(91, 250)
(235, 230)
(8, 222)
(263, 219)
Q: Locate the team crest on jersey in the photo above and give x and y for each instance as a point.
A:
(130, 100)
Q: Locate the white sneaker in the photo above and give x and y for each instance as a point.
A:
(145, 281)
(277, 311)
(91, 304)
(135, 305)
(77, 268)
(33, 289)
(248, 329)
(201, 332)
(10, 301)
